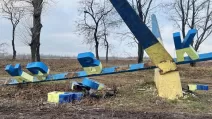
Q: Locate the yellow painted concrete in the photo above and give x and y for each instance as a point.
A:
(42, 76)
(54, 96)
(19, 79)
(24, 77)
(101, 86)
(158, 53)
(93, 70)
(190, 52)
(156, 77)
(167, 66)
(157, 70)
(161, 58)
(169, 85)
(192, 87)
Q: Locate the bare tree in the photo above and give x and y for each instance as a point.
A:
(105, 39)
(90, 26)
(3, 49)
(190, 14)
(143, 8)
(108, 24)
(36, 29)
(35, 9)
(13, 13)
(24, 32)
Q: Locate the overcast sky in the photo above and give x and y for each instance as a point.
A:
(58, 37)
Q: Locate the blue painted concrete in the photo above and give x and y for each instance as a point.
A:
(87, 59)
(66, 98)
(35, 67)
(78, 96)
(136, 66)
(177, 40)
(57, 76)
(202, 57)
(111, 70)
(10, 70)
(155, 27)
(90, 83)
(202, 87)
(133, 21)
(108, 70)
(189, 38)
(81, 73)
(186, 42)
(14, 71)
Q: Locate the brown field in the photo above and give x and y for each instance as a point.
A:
(136, 96)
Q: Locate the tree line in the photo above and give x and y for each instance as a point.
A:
(99, 21)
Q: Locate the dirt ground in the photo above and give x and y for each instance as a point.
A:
(136, 97)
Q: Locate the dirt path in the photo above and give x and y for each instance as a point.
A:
(10, 113)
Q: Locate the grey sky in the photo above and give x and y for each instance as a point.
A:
(58, 37)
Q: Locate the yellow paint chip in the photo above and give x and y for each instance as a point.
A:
(190, 52)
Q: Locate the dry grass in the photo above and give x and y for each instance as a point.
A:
(136, 90)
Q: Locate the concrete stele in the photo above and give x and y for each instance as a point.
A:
(160, 80)
(169, 85)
